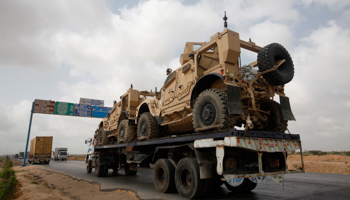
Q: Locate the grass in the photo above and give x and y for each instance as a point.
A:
(8, 181)
(34, 182)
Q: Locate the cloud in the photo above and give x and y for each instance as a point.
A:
(319, 92)
(104, 52)
(335, 5)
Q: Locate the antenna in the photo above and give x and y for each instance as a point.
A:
(225, 18)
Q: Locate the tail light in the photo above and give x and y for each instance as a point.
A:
(230, 164)
(274, 163)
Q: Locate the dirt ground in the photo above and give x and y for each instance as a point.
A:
(38, 183)
(331, 164)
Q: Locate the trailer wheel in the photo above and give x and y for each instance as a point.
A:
(266, 60)
(187, 180)
(246, 186)
(164, 176)
(147, 127)
(127, 170)
(99, 169)
(275, 122)
(126, 133)
(210, 109)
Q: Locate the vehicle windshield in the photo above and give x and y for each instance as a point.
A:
(63, 153)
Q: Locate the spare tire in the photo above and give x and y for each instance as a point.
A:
(266, 60)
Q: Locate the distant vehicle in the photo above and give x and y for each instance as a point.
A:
(40, 150)
(60, 154)
(16, 156)
(21, 155)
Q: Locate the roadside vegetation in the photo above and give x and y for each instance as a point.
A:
(8, 181)
(76, 157)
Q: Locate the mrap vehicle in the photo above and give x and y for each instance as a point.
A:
(186, 132)
(196, 163)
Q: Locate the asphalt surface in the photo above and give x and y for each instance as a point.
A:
(295, 186)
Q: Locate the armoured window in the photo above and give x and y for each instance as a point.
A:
(170, 76)
(184, 68)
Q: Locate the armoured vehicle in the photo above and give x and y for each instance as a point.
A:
(119, 126)
(212, 90)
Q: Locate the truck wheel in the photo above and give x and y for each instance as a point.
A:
(99, 169)
(210, 109)
(275, 121)
(187, 180)
(88, 167)
(246, 186)
(147, 127)
(127, 170)
(266, 60)
(164, 176)
(126, 133)
(103, 140)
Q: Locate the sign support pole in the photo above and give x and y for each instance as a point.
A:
(30, 125)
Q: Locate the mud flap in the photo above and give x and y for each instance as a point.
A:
(234, 101)
(285, 109)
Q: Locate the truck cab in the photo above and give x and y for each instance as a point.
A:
(60, 154)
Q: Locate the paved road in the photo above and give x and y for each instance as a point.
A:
(296, 186)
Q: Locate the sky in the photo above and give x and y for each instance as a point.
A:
(67, 50)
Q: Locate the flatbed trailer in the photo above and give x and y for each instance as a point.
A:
(193, 164)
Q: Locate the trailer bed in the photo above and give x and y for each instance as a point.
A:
(195, 136)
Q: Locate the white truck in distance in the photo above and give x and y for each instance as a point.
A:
(60, 154)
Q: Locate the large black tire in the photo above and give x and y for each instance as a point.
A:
(128, 172)
(164, 176)
(102, 136)
(246, 186)
(99, 169)
(266, 60)
(187, 179)
(275, 123)
(210, 109)
(88, 167)
(147, 127)
(95, 143)
(126, 132)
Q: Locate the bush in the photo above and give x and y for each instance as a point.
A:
(347, 153)
(317, 153)
(8, 182)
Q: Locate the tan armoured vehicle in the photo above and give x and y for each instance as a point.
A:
(212, 90)
(119, 126)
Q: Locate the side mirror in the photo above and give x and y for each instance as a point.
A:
(168, 71)
(85, 142)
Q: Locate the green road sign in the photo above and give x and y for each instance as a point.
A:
(63, 108)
